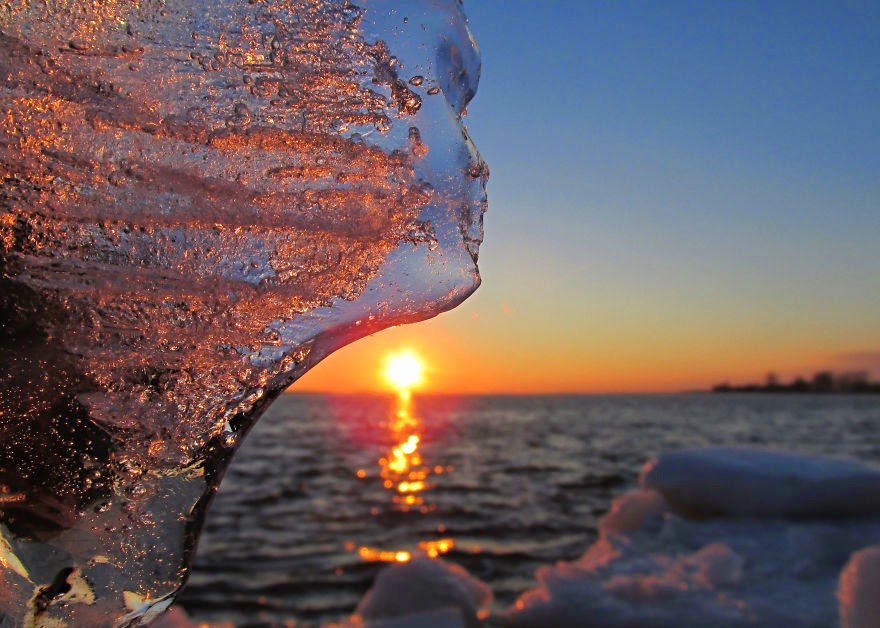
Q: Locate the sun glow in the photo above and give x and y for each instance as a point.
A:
(405, 475)
(404, 371)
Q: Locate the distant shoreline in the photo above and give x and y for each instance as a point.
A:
(724, 388)
(825, 382)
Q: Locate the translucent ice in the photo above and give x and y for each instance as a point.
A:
(200, 201)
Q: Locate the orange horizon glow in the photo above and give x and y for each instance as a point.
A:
(454, 372)
(470, 352)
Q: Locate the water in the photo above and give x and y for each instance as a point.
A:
(328, 487)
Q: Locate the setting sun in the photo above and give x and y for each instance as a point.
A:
(404, 370)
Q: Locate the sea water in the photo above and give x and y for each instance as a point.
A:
(329, 489)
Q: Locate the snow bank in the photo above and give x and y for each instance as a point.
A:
(774, 560)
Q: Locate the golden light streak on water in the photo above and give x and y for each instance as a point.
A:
(429, 548)
(405, 475)
(374, 555)
(436, 548)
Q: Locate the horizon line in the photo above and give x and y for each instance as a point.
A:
(436, 393)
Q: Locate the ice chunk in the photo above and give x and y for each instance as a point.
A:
(859, 591)
(403, 591)
(200, 201)
(633, 513)
(653, 567)
(435, 618)
(754, 482)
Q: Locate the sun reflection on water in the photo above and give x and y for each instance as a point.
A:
(402, 469)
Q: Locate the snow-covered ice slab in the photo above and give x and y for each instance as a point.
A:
(740, 481)
(779, 551)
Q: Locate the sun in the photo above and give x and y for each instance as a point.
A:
(404, 370)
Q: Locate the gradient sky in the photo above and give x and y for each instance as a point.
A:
(682, 193)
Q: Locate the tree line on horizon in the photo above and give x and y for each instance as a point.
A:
(821, 382)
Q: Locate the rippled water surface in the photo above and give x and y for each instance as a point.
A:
(327, 489)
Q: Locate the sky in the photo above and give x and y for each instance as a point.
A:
(682, 194)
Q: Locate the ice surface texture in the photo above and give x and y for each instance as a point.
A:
(200, 201)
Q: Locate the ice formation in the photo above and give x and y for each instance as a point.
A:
(200, 201)
(744, 482)
(859, 590)
(774, 560)
(425, 592)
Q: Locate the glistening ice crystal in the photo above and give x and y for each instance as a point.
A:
(200, 201)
